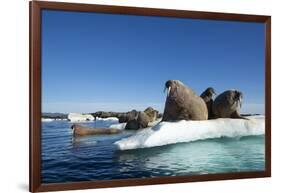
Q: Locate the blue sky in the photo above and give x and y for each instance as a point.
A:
(94, 62)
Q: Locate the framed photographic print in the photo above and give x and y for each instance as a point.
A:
(98, 113)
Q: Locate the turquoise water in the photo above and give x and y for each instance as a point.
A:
(68, 159)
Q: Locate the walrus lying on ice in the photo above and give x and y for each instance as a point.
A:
(82, 130)
(182, 103)
(228, 104)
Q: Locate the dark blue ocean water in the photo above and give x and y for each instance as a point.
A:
(68, 159)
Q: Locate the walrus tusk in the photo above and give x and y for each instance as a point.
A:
(169, 89)
(240, 101)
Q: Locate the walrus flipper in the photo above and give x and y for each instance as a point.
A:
(184, 115)
(236, 115)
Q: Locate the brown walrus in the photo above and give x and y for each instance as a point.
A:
(228, 104)
(141, 121)
(82, 130)
(182, 103)
(128, 116)
(207, 96)
(151, 113)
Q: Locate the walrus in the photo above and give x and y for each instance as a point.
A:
(141, 121)
(82, 130)
(207, 96)
(151, 113)
(182, 103)
(228, 105)
(128, 116)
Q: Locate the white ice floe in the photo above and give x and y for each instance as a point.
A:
(106, 122)
(120, 126)
(78, 117)
(46, 120)
(152, 124)
(112, 119)
(186, 131)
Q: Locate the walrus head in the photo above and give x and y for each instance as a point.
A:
(237, 97)
(210, 92)
(168, 86)
(175, 90)
(171, 86)
(73, 126)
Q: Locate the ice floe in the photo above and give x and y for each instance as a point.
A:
(186, 131)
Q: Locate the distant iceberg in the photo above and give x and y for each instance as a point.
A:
(186, 131)
(46, 119)
(78, 117)
(110, 119)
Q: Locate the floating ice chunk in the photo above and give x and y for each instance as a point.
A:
(123, 125)
(46, 120)
(112, 119)
(106, 122)
(186, 131)
(120, 126)
(78, 117)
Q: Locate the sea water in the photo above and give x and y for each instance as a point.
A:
(70, 159)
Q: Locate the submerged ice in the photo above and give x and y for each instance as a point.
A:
(166, 133)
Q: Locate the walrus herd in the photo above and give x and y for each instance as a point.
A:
(182, 103)
(134, 120)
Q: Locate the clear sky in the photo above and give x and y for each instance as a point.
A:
(93, 62)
